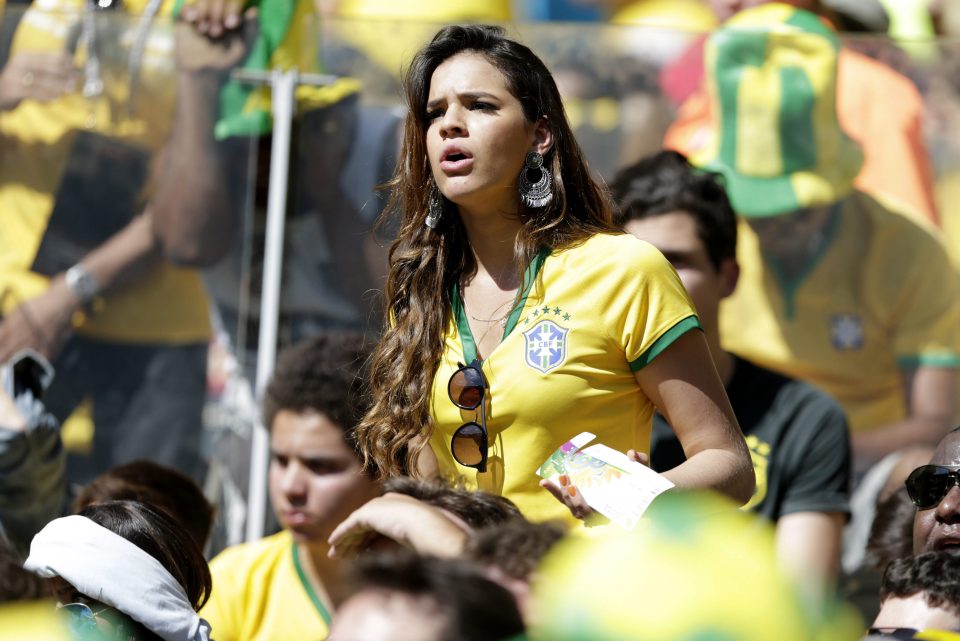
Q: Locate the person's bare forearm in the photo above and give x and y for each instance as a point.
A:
(871, 446)
(715, 469)
(808, 549)
(193, 211)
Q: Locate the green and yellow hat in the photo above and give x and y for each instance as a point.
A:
(771, 74)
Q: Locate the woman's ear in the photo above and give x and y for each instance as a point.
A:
(542, 137)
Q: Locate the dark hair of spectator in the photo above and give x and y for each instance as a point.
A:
(891, 534)
(324, 374)
(476, 608)
(16, 584)
(665, 182)
(934, 574)
(166, 488)
(157, 534)
(516, 548)
(477, 509)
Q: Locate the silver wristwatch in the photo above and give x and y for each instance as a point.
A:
(82, 283)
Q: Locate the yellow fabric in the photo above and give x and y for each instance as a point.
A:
(33, 620)
(616, 296)
(169, 304)
(258, 596)
(679, 15)
(883, 293)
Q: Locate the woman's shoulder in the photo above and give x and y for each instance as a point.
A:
(603, 251)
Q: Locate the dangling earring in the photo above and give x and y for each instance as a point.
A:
(535, 189)
(434, 206)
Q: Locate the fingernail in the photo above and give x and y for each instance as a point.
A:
(231, 21)
(572, 490)
(564, 480)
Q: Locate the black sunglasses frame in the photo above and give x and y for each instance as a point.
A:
(475, 380)
(920, 480)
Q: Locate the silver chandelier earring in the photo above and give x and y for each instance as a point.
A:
(434, 206)
(535, 182)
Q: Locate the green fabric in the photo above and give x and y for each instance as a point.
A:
(796, 125)
(735, 51)
(317, 603)
(811, 23)
(667, 339)
(931, 360)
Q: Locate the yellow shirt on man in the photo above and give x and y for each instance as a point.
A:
(881, 296)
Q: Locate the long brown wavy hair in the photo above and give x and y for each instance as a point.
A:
(425, 263)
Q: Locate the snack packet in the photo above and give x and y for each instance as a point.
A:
(610, 482)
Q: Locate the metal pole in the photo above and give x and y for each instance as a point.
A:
(284, 87)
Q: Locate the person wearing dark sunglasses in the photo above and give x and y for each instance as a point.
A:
(519, 315)
(935, 490)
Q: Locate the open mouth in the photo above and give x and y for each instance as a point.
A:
(454, 157)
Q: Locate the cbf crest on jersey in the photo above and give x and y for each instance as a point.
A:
(546, 345)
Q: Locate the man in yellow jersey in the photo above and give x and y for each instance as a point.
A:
(85, 102)
(285, 586)
(835, 289)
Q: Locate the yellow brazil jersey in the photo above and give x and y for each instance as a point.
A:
(591, 316)
(166, 305)
(260, 593)
(882, 295)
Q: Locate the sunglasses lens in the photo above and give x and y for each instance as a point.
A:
(466, 388)
(927, 484)
(469, 445)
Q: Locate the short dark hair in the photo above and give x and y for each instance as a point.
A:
(934, 574)
(325, 374)
(476, 608)
(477, 508)
(665, 182)
(516, 548)
(163, 487)
(159, 535)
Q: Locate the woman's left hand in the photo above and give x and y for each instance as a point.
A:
(568, 494)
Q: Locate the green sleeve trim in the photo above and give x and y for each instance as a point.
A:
(317, 603)
(931, 360)
(667, 339)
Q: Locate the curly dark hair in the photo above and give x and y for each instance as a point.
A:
(934, 574)
(891, 535)
(166, 488)
(516, 547)
(17, 584)
(326, 374)
(477, 508)
(665, 182)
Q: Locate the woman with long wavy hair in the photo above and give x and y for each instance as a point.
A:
(518, 316)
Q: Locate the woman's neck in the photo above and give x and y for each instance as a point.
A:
(492, 239)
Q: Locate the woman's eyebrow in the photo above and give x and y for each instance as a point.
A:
(470, 95)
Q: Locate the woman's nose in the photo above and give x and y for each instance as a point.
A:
(452, 123)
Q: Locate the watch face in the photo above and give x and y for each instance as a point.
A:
(81, 283)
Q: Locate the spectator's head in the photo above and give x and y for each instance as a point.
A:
(685, 214)
(510, 554)
(935, 491)
(474, 508)
(891, 534)
(404, 597)
(921, 592)
(311, 407)
(772, 74)
(162, 487)
(127, 564)
(16, 584)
